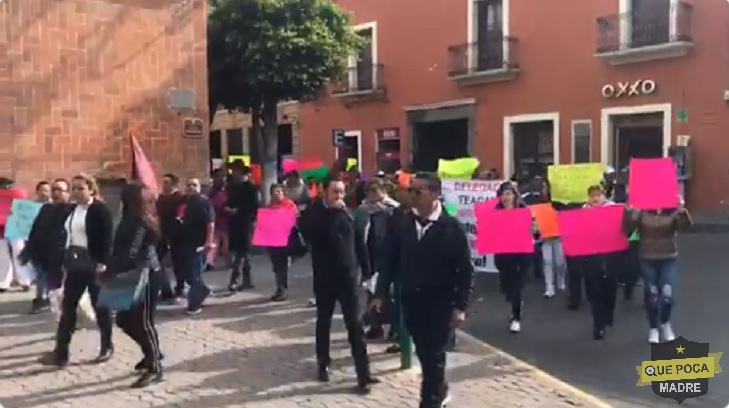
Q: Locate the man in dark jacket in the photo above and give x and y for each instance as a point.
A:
(168, 204)
(431, 257)
(242, 208)
(336, 253)
(38, 250)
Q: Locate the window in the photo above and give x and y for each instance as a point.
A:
(363, 68)
(215, 144)
(487, 41)
(234, 137)
(581, 136)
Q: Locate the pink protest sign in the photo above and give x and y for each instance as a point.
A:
(273, 227)
(653, 184)
(289, 165)
(592, 231)
(503, 231)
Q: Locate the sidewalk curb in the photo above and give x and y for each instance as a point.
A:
(539, 373)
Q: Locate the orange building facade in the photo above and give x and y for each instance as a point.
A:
(522, 85)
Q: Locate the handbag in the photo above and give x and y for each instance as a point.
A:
(77, 258)
(297, 247)
(124, 290)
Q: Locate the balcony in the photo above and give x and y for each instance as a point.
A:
(484, 61)
(660, 32)
(360, 83)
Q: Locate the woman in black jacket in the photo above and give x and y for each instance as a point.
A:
(86, 238)
(135, 243)
(512, 267)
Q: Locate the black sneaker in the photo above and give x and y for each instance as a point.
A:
(142, 364)
(40, 306)
(280, 295)
(323, 375)
(148, 378)
(364, 387)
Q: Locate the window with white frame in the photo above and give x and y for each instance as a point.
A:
(650, 22)
(581, 139)
(363, 68)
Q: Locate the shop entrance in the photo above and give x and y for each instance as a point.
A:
(445, 139)
(351, 148)
(638, 136)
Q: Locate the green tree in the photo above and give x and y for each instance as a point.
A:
(262, 52)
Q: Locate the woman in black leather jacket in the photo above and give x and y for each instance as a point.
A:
(135, 243)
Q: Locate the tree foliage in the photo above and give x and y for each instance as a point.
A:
(262, 52)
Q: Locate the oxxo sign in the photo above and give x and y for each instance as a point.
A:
(639, 87)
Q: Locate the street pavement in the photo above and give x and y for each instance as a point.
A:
(560, 341)
(245, 351)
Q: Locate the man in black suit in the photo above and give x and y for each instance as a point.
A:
(242, 208)
(431, 257)
(336, 253)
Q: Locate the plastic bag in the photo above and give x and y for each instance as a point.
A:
(86, 311)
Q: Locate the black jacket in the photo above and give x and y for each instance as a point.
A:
(243, 198)
(99, 230)
(336, 249)
(440, 260)
(42, 247)
(134, 246)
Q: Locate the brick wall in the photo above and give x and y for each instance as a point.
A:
(75, 75)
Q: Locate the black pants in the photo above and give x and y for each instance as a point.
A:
(280, 262)
(348, 298)
(428, 320)
(601, 284)
(575, 279)
(538, 263)
(74, 287)
(629, 272)
(173, 250)
(138, 324)
(512, 272)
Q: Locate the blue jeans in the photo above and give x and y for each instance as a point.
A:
(658, 278)
(193, 263)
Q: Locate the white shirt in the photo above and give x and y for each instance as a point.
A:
(76, 226)
(422, 229)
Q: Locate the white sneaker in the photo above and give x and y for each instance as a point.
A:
(654, 336)
(561, 284)
(667, 332)
(549, 292)
(515, 326)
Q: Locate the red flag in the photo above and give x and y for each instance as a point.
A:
(142, 170)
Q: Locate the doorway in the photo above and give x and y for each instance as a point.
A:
(445, 139)
(531, 143)
(350, 148)
(637, 136)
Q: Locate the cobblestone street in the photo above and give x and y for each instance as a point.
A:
(244, 351)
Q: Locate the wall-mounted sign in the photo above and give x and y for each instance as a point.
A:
(635, 88)
(193, 128)
(388, 134)
(338, 137)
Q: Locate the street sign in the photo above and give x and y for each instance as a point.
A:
(682, 116)
(337, 137)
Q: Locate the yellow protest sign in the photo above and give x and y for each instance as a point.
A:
(569, 182)
(462, 168)
(244, 157)
(351, 164)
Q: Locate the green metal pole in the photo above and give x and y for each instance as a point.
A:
(406, 344)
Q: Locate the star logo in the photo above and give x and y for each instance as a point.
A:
(680, 349)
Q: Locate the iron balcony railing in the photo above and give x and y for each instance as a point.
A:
(497, 52)
(657, 23)
(359, 79)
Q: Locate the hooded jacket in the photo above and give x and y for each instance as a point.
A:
(372, 223)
